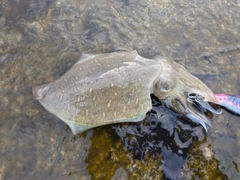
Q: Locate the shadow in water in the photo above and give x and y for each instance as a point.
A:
(163, 133)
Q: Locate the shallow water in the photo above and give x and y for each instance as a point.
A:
(41, 40)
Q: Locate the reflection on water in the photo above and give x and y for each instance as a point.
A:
(41, 40)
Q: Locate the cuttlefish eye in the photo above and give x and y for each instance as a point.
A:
(166, 86)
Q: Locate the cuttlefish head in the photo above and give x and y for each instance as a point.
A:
(184, 93)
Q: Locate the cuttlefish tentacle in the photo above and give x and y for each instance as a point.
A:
(200, 101)
(207, 106)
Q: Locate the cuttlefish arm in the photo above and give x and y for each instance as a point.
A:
(196, 115)
(230, 102)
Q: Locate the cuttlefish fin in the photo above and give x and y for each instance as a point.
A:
(85, 57)
(40, 91)
(78, 128)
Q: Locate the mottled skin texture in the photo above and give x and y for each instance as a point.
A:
(116, 87)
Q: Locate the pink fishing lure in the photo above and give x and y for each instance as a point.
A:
(230, 102)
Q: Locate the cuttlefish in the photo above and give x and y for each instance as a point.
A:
(115, 87)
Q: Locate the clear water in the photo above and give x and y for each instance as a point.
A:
(41, 40)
